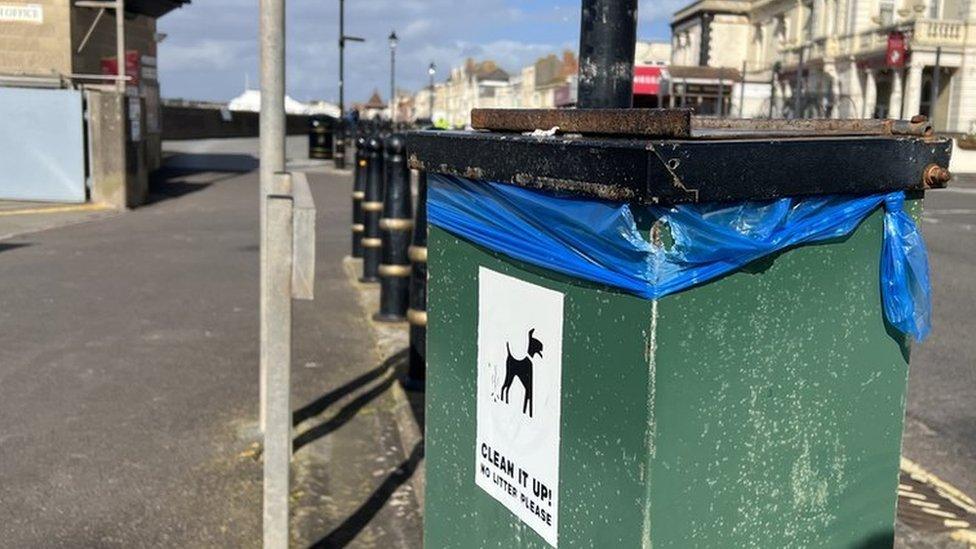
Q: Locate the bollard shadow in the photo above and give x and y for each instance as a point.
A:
(389, 370)
(343, 534)
(320, 404)
(7, 246)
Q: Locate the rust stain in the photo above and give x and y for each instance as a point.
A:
(675, 123)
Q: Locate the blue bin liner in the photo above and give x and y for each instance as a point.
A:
(598, 240)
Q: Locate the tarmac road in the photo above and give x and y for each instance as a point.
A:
(940, 431)
(129, 378)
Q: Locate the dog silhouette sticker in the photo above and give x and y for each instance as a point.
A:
(521, 368)
(519, 397)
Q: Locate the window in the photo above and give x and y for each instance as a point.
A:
(886, 12)
(934, 9)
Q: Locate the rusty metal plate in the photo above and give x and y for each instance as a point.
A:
(681, 124)
(730, 128)
(674, 123)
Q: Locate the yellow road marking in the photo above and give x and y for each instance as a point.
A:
(57, 209)
(950, 492)
(965, 536)
(938, 513)
(911, 495)
(927, 504)
(954, 523)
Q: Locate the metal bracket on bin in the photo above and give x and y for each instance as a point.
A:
(704, 161)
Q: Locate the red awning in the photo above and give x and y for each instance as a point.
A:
(647, 80)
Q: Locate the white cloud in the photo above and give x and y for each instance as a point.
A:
(207, 54)
(212, 44)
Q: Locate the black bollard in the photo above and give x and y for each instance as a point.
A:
(372, 209)
(417, 313)
(395, 229)
(358, 193)
(339, 156)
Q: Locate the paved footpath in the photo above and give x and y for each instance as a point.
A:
(128, 382)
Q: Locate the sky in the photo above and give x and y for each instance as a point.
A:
(211, 51)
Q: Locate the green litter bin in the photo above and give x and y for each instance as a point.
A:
(762, 407)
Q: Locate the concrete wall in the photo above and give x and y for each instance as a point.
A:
(107, 127)
(203, 123)
(38, 48)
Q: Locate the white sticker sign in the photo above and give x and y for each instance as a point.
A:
(22, 13)
(520, 340)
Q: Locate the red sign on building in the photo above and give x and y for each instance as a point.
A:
(111, 67)
(647, 80)
(895, 55)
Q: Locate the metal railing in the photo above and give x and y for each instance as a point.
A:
(928, 32)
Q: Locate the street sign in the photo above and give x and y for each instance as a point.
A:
(647, 80)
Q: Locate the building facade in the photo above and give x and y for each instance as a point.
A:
(837, 58)
(546, 83)
(62, 44)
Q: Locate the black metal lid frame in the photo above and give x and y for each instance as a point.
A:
(671, 171)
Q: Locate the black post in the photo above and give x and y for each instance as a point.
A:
(721, 95)
(395, 228)
(417, 313)
(742, 94)
(342, 58)
(393, 104)
(608, 35)
(797, 89)
(936, 81)
(372, 208)
(339, 156)
(338, 140)
(358, 194)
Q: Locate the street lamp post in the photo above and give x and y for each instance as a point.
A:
(342, 54)
(430, 99)
(340, 137)
(393, 44)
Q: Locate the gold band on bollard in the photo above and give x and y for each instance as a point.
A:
(372, 243)
(372, 206)
(358, 227)
(394, 270)
(417, 254)
(417, 318)
(396, 224)
(359, 194)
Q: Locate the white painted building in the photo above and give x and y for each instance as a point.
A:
(544, 84)
(830, 58)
